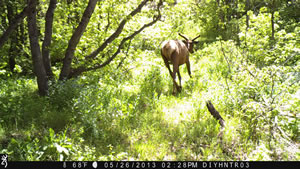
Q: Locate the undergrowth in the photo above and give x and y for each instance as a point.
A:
(128, 112)
(133, 116)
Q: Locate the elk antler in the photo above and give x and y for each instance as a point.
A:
(183, 36)
(196, 37)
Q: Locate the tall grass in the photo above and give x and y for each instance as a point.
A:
(130, 114)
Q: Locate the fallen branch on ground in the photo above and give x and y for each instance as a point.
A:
(215, 113)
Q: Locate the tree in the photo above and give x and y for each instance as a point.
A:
(41, 59)
(75, 39)
(93, 55)
(48, 37)
(38, 66)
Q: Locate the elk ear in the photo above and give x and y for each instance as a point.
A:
(195, 42)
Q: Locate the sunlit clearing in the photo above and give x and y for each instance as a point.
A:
(178, 112)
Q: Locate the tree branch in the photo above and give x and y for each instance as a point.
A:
(13, 26)
(215, 113)
(75, 39)
(48, 37)
(82, 69)
(117, 32)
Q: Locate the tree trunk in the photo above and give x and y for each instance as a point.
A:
(48, 37)
(81, 69)
(38, 66)
(75, 39)
(272, 23)
(13, 42)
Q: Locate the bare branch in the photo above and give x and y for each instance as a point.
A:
(82, 69)
(215, 113)
(118, 31)
(75, 39)
(48, 37)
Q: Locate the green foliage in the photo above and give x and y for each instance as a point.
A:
(125, 111)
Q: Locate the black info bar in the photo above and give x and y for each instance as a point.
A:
(150, 164)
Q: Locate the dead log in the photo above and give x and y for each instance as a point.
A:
(215, 113)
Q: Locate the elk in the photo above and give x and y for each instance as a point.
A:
(176, 52)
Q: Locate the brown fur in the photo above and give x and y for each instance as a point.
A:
(176, 52)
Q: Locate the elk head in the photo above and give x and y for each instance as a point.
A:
(189, 43)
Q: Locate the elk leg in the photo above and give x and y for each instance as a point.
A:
(175, 63)
(167, 64)
(188, 68)
(175, 70)
(179, 77)
(171, 73)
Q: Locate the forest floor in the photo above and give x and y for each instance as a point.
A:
(131, 114)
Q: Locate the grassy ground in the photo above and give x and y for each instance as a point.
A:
(130, 114)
